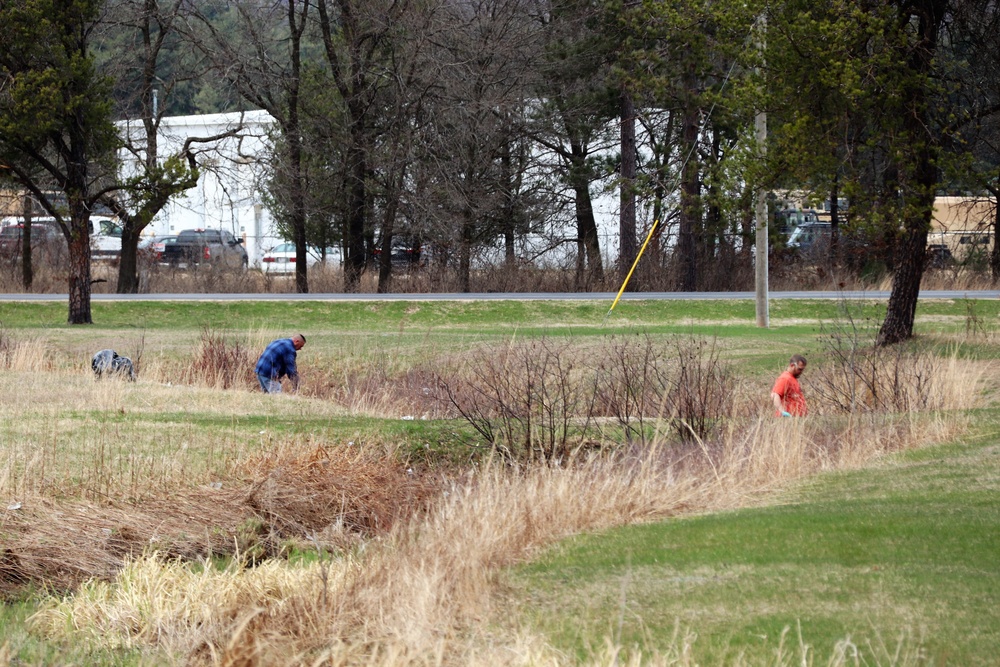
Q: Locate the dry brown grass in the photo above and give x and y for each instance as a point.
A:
(426, 555)
(422, 594)
(272, 500)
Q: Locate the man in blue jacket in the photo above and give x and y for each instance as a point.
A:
(277, 361)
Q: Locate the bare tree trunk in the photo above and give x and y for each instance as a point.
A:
(465, 253)
(356, 208)
(388, 223)
(588, 243)
(508, 222)
(27, 272)
(128, 262)
(626, 224)
(690, 212)
(835, 221)
(902, 308)
(995, 252)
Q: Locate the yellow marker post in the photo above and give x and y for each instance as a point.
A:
(634, 264)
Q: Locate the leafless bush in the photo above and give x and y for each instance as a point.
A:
(701, 388)
(863, 377)
(529, 402)
(541, 400)
(220, 363)
(685, 383)
(631, 383)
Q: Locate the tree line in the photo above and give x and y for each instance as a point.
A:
(472, 124)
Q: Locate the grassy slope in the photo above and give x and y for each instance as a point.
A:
(334, 328)
(909, 548)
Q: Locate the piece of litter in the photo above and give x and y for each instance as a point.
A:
(216, 485)
(407, 418)
(14, 506)
(262, 433)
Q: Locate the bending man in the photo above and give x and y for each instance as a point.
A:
(278, 361)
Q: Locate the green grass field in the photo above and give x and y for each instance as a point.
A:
(904, 554)
(907, 551)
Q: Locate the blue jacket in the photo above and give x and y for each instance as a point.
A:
(278, 360)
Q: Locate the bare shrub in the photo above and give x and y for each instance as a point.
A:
(220, 363)
(541, 400)
(631, 382)
(701, 389)
(862, 377)
(529, 401)
(685, 384)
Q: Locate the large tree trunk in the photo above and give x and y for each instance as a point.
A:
(911, 255)
(79, 264)
(293, 135)
(298, 205)
(354, 263)
(588, 243)
(690, 213)
(128, 261)
(626, 224)
(910, 262)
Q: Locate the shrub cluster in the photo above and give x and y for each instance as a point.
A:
(221, 363)
(543, 400)
(860, 376)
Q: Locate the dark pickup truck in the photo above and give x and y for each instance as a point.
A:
(205, 247)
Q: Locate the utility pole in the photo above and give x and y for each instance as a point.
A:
(760, 267)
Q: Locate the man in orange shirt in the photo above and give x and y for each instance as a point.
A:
(787, 394)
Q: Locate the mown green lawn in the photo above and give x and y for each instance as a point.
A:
(909, 549)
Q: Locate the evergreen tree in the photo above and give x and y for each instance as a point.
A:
(56, 135)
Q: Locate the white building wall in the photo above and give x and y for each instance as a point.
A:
(230, 191)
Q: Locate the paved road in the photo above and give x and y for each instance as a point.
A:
(876, 295)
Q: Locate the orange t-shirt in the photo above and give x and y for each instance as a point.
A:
(787, 388)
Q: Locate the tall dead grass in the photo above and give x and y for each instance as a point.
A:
(25, 355)
(424, 593)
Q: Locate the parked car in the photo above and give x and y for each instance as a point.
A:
(811, 239)
(151, 248)
(215, 248)
(281, 258)
(406, 253)
(47, 240)
(105, 238)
